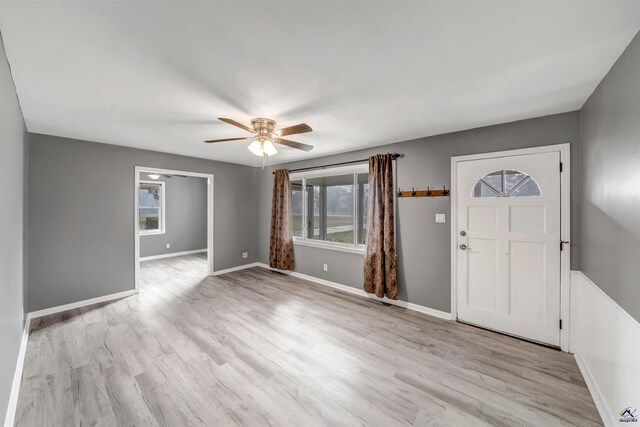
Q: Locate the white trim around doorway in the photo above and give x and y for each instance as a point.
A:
(565, 229)
(209, 177)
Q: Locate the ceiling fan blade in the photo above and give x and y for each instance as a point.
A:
(292, 130)
(227, 139)
(237, 124)
(293, 144)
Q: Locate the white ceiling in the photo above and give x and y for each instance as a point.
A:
(157, 75)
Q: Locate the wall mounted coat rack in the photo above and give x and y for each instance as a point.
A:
(424, 193)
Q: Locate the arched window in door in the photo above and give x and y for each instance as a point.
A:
(506, 183)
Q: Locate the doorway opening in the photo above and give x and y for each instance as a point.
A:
(173, 226)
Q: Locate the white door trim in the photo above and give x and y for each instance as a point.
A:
(565, 229)
(136, 234)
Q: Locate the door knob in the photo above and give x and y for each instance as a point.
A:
(463, 247)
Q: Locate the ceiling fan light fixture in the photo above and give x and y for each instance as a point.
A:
(260, 148)
(256, 147)
(269, 148)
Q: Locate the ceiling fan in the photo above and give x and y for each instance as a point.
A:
(265, 135)
(157, 176)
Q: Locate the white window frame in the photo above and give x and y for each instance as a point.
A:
(342, 170)
(161, 220)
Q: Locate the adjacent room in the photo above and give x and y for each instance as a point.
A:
(172, 226)
(372, 213)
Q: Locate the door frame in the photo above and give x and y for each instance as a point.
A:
(136, 225)
(565, 228)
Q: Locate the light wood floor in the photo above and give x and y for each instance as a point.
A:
(256, 347)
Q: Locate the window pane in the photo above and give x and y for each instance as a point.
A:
(511, 179)
(149, 218)
(362, 207)
(528, 189)
(330, 200)
(313, 210)
(149, 204)
(340, 209)
(149, 195)
(506, 183)
(296, 207)
(494, 180)
(483, 190)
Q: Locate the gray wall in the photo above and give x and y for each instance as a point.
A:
(423, 245)
(13, 145)
(81, 216)
(185, 217)
(610, 203)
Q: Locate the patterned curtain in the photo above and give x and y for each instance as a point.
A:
(281, 242)
(380, 274)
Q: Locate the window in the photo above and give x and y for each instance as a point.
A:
(296, 207)
(506, 183)
(151, 207)
(329, 207)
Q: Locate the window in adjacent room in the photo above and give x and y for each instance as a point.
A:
(329, 207)
(151, 207)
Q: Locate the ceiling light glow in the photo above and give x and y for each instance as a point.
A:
(260, 148)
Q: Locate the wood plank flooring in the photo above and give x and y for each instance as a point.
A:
(255, 347)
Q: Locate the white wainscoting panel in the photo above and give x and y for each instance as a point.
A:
(606, 342)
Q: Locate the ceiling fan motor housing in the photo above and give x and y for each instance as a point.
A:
(263, 126)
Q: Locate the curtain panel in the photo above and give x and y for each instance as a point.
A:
(380, 273)
(281, 240)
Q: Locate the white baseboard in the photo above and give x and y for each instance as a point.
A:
(78, 304)
(152, 257)
(596, 393)
(606, 342)
(362, 293)
(238, 268)
(17, 376)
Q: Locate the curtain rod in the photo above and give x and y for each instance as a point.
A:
(394, 155)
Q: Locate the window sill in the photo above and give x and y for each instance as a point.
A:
(151, 233)
(359, 249)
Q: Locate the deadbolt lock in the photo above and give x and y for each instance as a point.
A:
(463, 233)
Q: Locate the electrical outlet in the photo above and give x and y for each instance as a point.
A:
(245, 254)
(440, 218)
(168, 245)
(325, 267)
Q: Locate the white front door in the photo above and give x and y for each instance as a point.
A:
(508, 244)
